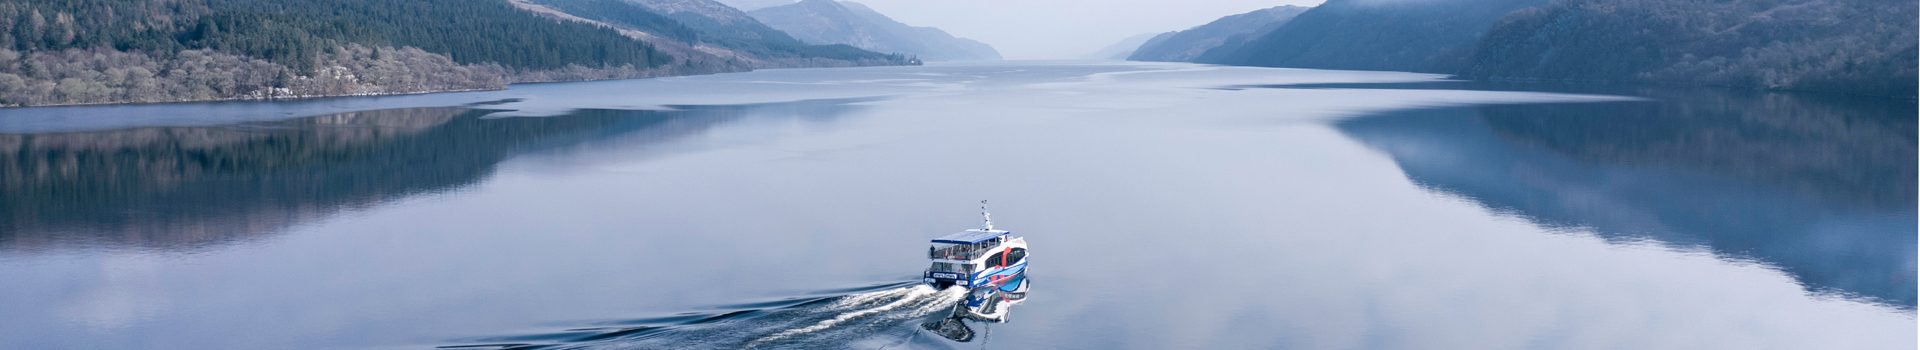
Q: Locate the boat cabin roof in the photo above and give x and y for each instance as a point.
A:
(970, 236)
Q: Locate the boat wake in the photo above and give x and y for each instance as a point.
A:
(993, 263)
(869, 317)
(915, 298)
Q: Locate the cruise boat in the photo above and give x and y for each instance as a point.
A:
(990, 263)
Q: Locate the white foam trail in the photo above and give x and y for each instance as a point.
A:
(863, 298)
(943, 302)
(911, 294)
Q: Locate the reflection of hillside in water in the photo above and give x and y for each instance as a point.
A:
(1823, 188)
(1850, 154)
(190, 187)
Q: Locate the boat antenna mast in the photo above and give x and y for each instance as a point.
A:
(986, 215)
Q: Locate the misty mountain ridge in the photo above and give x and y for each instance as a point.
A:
(705, 30)
(845, 22)
(1185, 45)
(1405, 35)
(750, 5)
(1119, 50)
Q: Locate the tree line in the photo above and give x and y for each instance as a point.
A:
(100, 51)
(1853, 46)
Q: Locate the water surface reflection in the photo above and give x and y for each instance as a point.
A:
(1821, 187)
(1170, 215)
(185, 188)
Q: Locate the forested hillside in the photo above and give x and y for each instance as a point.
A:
(1854, 46)
(106, 51)
(93, 51)
(628, 15)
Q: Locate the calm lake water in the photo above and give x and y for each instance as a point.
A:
(1168, 206)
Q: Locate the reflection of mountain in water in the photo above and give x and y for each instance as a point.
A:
(189, 187)
(1822, 188)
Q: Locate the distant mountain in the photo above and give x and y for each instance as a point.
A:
(1855, 46)
(1185, 45)
(750, 5)
(845, 22)
(1119, 50)
(705, 30)
(121, 51)
(1403, 35)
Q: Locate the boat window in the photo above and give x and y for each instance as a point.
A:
(1012, 256)
(954, 267)
(950, 251)
(949, 267)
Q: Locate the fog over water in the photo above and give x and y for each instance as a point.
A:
(1167, 206)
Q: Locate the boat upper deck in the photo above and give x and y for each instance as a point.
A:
(974, 236)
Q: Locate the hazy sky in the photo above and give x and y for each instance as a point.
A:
(1025, 29)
